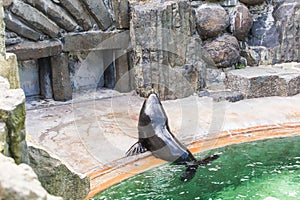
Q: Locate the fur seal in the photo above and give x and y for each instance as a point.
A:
(155, 136)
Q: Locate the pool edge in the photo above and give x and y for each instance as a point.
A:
(105, 178)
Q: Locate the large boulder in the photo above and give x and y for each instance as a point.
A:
(57, 177)
(240, 21)
(224, 50)
(20, 182)
(211, 20)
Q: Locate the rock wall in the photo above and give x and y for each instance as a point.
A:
(167, 54)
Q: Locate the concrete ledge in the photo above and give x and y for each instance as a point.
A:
(34, 50)
(95, 40)
(264, 81)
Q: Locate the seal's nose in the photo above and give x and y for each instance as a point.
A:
(152, 99)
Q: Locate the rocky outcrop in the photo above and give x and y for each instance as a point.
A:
(20, 182)
(211, 20)
(12, 114)
(264, 32)
(224, 50)
(166, 55)
(274, 36)
(12, 107)
(55, 176)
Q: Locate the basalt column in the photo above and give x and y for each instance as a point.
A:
(167, 56)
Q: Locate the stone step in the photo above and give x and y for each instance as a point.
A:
(264, 81)
(35, 50)
(222, 95)
(95, 40)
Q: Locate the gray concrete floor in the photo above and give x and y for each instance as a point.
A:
(96, 130)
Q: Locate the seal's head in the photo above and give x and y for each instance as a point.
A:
(154, 110)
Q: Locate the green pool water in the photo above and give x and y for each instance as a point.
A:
(267, 169)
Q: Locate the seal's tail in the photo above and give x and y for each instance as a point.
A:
(191, 169)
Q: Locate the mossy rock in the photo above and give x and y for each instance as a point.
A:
(3, 139)
(9, 69)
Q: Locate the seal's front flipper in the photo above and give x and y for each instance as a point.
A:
(137, 148)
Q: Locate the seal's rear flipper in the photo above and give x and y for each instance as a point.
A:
(189, 173)
(207, 160)
(191, 169)
(137, 148)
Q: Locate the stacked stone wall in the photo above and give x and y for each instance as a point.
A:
(239, 33)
